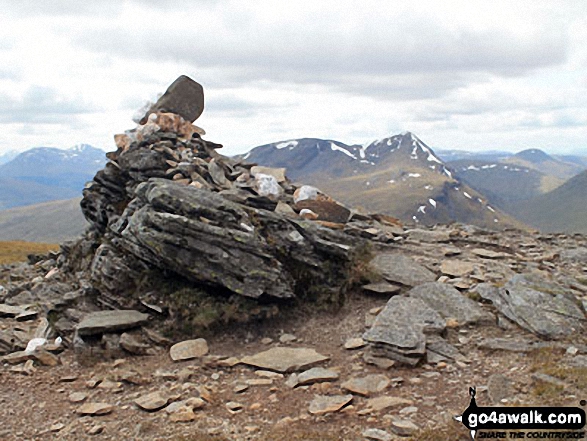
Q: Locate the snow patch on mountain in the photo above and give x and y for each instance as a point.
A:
(337, 148)
(283, 145)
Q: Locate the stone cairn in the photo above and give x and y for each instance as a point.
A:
(168, 203)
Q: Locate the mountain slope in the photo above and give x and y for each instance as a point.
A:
(8, 156)
(399, 175)
(505, 185)
(46, 173)
(50, 222)
(538, 160)
(18, 192)
(562, 209)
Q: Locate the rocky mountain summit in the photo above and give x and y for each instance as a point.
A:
(212, 296)
(399, 175)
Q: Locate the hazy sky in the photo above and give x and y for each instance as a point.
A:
(473, 74)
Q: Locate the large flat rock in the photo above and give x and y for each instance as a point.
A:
(285, 359)
(397, 268)
(450, 303)
(111, 321)
(537, 305)
(399, 331)
(403, 323)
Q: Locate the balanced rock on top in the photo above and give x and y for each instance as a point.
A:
(185, 97)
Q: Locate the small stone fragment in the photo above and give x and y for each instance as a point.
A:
(152, 402)
(322, 404)
(316, 375)
(233, 406)
(355, 343)
(56, 427)
(403, 427)
(77, 397)
(456, 268)
(189, 349)
(367, 385)
(94, 409)
(384, 402)
(287, 338)
(95, 430)
(377, 435)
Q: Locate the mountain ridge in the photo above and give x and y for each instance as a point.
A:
(398, 175)
(47, 173)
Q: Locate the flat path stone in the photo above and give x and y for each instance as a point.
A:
(397, 268)
(285, 359)
(367, 385)
(322, 404)
(385, 402)
(110, 321)
(152, 402)
(94, 409)
(186, 350)
(316, 375)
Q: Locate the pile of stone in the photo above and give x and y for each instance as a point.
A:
(168, 202)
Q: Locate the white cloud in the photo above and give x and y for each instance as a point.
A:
(458, 73)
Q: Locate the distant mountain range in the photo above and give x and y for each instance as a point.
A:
(399, 175)
(46, 173)
(512, 182)
(402, 176)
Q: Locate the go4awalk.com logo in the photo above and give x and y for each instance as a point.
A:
(531, 422)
